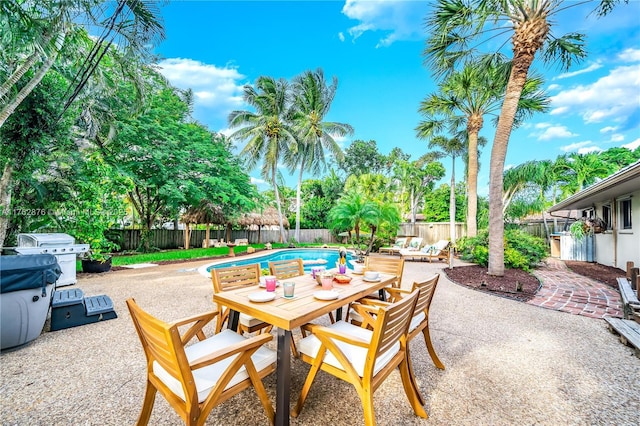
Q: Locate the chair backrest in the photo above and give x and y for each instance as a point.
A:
(162, 343)
(386, 265)
(287, 268)
(235, 276)
(415, 243)
(441, 245)
(392, 322)
(427, 289)
(400, 242)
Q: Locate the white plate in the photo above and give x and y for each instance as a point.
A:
(326, 294)
(371, 281)
(263, 285)
(358, 273)
(262, 296)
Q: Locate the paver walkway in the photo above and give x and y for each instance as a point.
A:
(566, 291)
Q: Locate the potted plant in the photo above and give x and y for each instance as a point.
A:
(580, 228)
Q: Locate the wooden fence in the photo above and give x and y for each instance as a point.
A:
(164, 239)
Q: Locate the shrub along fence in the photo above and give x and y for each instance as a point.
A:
(164, 239)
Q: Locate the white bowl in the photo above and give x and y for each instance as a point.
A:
(358, 268)
(371, 275)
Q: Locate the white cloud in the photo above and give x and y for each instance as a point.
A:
(617, 137)
(632, 145)
(399, 20)
(217, 91)
(608, 129)
(588, 69)
(559, 111)
(542, 125)
(630, 55)
(555, 132)
(258, 181)
(553, 87)
(576, 146)
(341, 36)
(589, 149)
(612, 97)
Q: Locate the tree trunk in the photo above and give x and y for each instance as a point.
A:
(298, 199)
(452, 210)
(10, 107)
(517, 79)
(473, 129)
(5, 200)
(278, 204)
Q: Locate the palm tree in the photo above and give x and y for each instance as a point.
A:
(266, 131)
(463, 99)
(456, 27)
(133, 25)
(453, 147)
(414, 179)
(312, 98)
(352, 211)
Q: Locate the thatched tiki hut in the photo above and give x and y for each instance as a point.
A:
(256, 220)
(207, 213)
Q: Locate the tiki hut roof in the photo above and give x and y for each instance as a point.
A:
(268, 217)
(205, 212)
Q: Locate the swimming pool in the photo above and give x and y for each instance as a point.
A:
(311, 257)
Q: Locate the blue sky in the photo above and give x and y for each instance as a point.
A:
(374, 48)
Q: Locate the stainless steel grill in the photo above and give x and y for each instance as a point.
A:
(62, 246)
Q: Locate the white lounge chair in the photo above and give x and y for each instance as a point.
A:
(439, 250)
(395, 248)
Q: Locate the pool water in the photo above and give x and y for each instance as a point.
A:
(311, 258)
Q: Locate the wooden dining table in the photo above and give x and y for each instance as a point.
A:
(286, 314)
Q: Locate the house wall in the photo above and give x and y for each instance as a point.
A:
(625, 241)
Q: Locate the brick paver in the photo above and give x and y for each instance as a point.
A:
(566, 291)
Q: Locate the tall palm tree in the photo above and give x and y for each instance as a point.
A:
(266, 131)
(457, 27)
(463, 99)
(133, 25)
(312, 98)
(453, 147)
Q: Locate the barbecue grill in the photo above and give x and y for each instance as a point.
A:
(62, 246)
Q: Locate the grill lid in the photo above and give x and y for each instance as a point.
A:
(45, 240)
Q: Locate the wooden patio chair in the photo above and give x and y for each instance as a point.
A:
(420, 321)
(231, 278)
(386, 265)
(361, 356)
(289, 268)
(196, 378)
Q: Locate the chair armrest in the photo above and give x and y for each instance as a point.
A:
(251, 344)
(368, 311)
(322, 331)
(200, 321)
(396, 293)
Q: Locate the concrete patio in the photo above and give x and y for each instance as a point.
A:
(506, 363)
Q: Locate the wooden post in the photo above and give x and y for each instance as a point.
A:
(629, 268)
(635, 272)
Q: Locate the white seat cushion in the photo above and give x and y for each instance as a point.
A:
(248, 320)
(356, 355)
(208, 376)
(416, 320)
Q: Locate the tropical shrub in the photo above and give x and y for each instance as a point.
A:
(521, 250)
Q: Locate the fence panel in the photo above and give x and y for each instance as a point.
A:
(431, 232)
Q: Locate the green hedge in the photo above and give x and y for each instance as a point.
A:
(521, 250)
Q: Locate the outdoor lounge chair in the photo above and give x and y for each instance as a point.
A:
(196, 378)
(439, 250)
(395, 248)
(363, 356)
